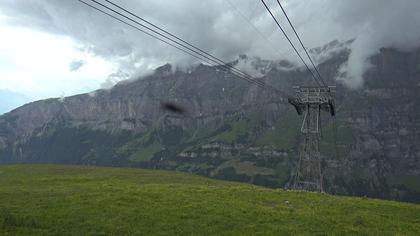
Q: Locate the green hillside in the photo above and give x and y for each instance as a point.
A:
(70, 200)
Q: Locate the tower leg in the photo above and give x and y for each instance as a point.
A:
(308, 176)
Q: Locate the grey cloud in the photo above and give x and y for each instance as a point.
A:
(375, 24)
(217, 28)
(114, 78)
(76, 65)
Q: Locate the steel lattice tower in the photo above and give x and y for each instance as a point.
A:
(310, 102)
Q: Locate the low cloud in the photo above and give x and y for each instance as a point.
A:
(76, 65)
(376, 24)
(114, 78)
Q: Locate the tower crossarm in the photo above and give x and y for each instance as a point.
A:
(313, 96)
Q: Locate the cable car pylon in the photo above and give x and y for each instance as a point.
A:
(310, 102)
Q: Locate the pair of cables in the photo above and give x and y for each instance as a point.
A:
(133, 20)
(318, 79)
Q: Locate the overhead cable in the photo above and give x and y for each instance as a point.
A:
(177, 38)
(184, 48)
(293, 46)
(301, 43)
(197, 53)
(243, 16)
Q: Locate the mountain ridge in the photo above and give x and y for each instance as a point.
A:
(233, 130)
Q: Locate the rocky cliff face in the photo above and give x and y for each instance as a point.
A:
(233, 130)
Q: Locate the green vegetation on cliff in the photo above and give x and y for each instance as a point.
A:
(71, 200)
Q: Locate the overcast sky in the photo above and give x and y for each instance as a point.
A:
(51, 48)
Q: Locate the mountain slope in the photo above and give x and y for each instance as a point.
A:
(233, 130)
(70, 200)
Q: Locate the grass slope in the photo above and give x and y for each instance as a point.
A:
(70, 200)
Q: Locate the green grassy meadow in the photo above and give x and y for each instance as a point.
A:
(74, 200)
